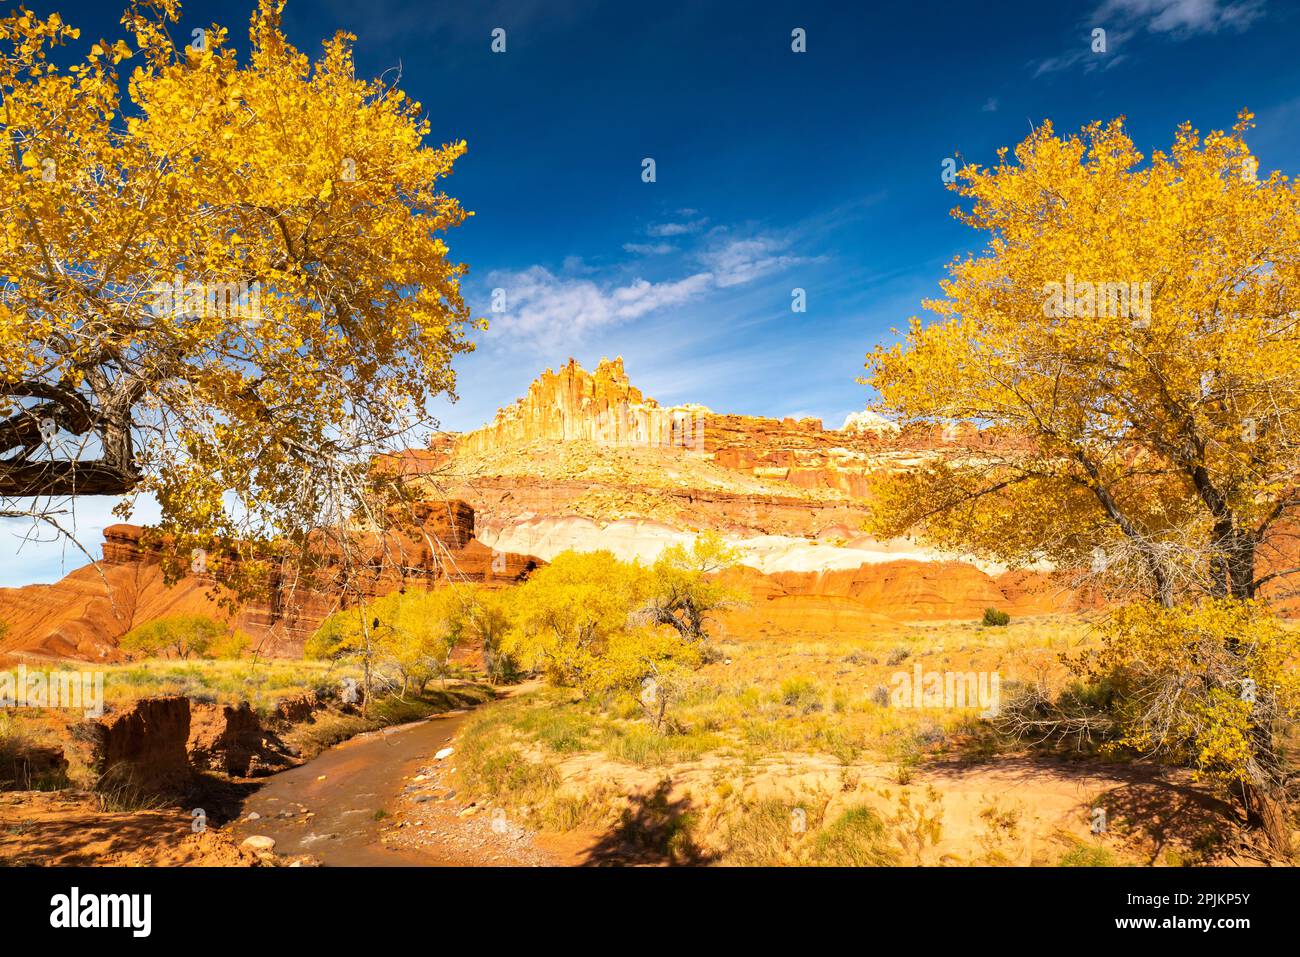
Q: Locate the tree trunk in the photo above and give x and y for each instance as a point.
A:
(1241, 566)
(365, 693)
(1266, 804)
(1267, 809)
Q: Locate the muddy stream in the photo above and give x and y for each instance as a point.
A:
(344, 789)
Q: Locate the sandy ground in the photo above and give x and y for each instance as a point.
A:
(1022, 810)
(64, 828)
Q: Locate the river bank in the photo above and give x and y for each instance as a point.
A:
(373, 801)
(351, 768)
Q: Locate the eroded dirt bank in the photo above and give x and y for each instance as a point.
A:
(171, 792)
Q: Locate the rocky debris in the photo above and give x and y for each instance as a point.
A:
(143, 747)
(444, 753)
(429, 818)
(258, 843)
(261, 846)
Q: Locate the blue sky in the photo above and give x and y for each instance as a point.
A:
(774, 169)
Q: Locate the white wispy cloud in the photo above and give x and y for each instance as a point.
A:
(541, 306)
(1124, 20)
(1183, 17)
(649, 249)
(734, 260)
(661, 230)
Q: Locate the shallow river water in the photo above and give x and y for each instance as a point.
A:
(344, 788)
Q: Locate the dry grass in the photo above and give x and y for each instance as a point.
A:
(765, 696)
(262, 684)
(761, 705)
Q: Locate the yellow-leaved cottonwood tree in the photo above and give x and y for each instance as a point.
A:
(222, 283)
(1129, 341)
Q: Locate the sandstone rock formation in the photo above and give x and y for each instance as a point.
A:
(867, 421)
(601, 407)
(549, 474)
(85, 614)
(586, 461)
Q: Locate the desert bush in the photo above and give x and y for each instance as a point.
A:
(898, 656)
(1088, 855)
(641, 745)
(993, 618)
(1221, 724)
(771, 832)
(570, 610)
(684, 587)
(563, 730)
(566, 812)
(16, 752)
(857, 838)
(485, 616)
(504, 773)
(577, 621)
(801, 693)
(119, 790)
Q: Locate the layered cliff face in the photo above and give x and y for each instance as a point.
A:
(591, 445)
(85, 614)
(585, 460)
(613, 427)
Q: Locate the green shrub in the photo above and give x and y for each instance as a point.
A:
(801, 693)
(856, 838)
(185, 636)
(1087, 855)
(996, 619)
